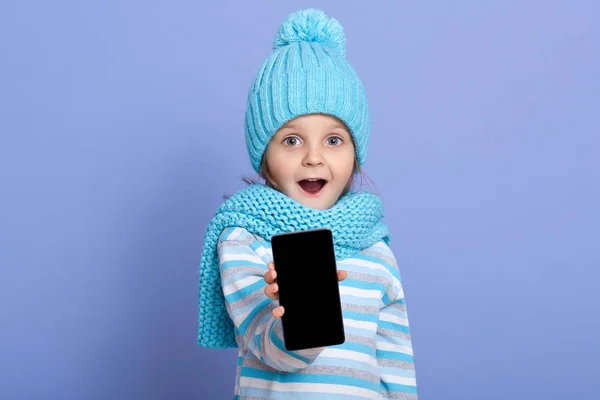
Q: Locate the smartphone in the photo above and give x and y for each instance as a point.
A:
(308, 289)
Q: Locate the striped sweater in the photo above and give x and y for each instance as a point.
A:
(376, 360)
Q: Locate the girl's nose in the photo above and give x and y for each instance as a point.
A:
(313, 158)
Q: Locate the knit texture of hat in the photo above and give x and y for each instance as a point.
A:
(307, 74)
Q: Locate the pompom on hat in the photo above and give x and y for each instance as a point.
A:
(307, 73)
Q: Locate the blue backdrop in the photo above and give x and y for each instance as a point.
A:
(121, 128)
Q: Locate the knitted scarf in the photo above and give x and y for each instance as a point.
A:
(355, 221)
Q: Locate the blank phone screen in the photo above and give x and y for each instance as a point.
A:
(308, 289)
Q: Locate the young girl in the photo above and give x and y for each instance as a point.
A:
(307, 130)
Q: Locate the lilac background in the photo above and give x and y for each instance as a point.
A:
(121, 127)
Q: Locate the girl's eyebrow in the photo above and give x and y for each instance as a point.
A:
(292, 126)
(334, 126)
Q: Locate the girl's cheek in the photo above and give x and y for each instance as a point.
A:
(286, 159)
(286, 168)
(282, 165)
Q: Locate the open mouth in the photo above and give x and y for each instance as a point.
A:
(312, 187)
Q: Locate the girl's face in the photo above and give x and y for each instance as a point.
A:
(311, 158)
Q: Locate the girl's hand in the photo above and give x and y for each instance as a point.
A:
(272, 289)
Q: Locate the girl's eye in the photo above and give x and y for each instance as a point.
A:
(291, 141)
(334, 141)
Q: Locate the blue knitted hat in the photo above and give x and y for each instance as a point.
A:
(307, 74)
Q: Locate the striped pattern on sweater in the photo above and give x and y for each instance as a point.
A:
(375, 362)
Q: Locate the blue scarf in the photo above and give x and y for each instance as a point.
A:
(355, 221)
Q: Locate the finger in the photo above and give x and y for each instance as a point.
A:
(278, 312)
(342, 275)
(272, 291)
(270, 277)
(271, 266)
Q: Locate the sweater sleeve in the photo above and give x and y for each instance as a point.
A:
(394, 345)
(242, 275)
